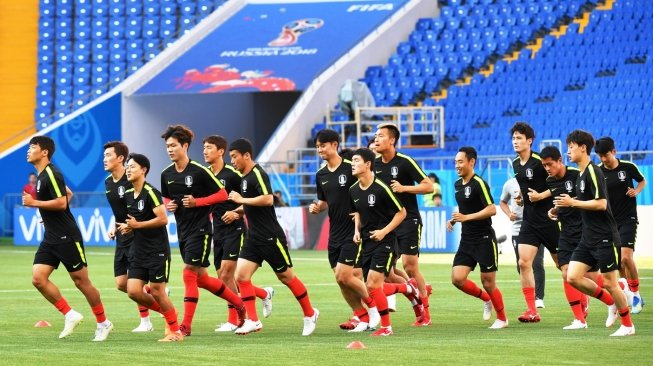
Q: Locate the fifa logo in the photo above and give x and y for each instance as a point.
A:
(244, 186)
(569, 186)
(140, 205)
(394, 171)
(529, 173)
(468, 191)
(342, 179)
(371, 199)
(582, 186)
(621, 175)
(121, 191)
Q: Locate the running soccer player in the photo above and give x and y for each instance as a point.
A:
(146, 221)
(619, 177)
(332, 182)
(62, 242)
(400, 172)
(478, 243)
(536, 229)
(265, 241)
(377, 213)
(229, 229)
(598, 243)
(192, 189)
(114, 159)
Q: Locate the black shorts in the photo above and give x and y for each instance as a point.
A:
(375, 256)
(409, 235)
(155, 269)
(273, 250)
(195, 251)
(227, 242)
(121, 261)
(343, 252)
(547, 236)
(566, 247)
(70, 253)
(603, 255)
(480, 250)
(628, 234)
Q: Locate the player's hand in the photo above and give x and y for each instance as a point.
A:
(396, 186)
(458, 217)
(519, 200)
(377, 235)
(28, 200)
(450, 225)
(357, 237)
(513, 216)
(188, 201)
(112, 233)
(236, 197)
(533, 196)
(123, 228)
(171, 206)
(553, 214)
(230, 216)
(353, 217)
(131, 222)
(563, 200)
(314, 208)
(631, 192)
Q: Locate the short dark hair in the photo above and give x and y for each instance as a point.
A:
(217, 140)
(523, 128)
(327, 135)
(31, 174)
(580, 137)
(367, 155)
(470, 152)
(243, 146)
(119, 147)
(45, 142)
(370, 142)
(394, 131)
(435, 177)
(604, 145)
(346, 153)
(550, 152)
(182, 133)
(141, 160)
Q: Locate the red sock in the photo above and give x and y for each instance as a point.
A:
(98, 311)
(381, 305)
(625, 317)
(247, 294)
(260, 292)
(171, 319)
(425, 306)
(369, 302)
(604, 296)
(144, 311)
(393, 288)
(497, 303)
(362, 315)
(155, 307)
(191, 296)
(147, 289)
(218, 288)
(633, 285)
(62, 306)
(301, 294)
(599, 281)
(232, 314)
(574, 298)
(471, 289)
(529, 296)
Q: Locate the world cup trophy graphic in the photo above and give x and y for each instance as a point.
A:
(291, 31)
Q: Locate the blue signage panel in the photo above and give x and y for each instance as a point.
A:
(435, 237)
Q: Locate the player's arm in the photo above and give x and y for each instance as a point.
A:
(218, 193)
(535, 196)
(317, 206)
(260, 201)
(423, 187)
(69, 194)
(161, 219)
(487, 212)
(357, 225)
(632, 192)
(564, 200)
(397, 219)
(57, 204)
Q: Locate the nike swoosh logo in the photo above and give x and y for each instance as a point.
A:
(278, 269)
(610, 266)
(489, 267)
(109, 191)
(159, 277)
(377, 266)
(356, 200)
(413, 247)
(458, 191)
(77, 265)
(171, 181)
(232, 255)
(195, 260)
(323, 183)
(128, 206)
(348, 260)
(378, 171)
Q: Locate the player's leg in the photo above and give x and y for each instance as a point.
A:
(488, 279)
(374, 284)
(527, 253)
(540, 277)
(158, 292)
(250, 259)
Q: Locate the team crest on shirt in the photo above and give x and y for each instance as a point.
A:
(569, 186)
(140, 205)
(342, 179)
(244, 186)
(394, 171)
(223, 182)
(121, 191)
(529, 173)
(371, 199)
(621, 175)
(582, 186)
(468, 191)
(188, 180)
(38, 185)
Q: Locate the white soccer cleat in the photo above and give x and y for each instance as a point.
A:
(612, 315)
(102, 331)
(226, 327)
(637, 302)
(487, 310)
(375, 317)
(267, 302)
(576, 324)
(392, 302)
(249, 326)
(360, 327)
(310, 322)
(499, 324)
(144, 327)
(539, 304)
(71, 320)
(624, 331)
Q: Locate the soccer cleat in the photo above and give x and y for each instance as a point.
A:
(184, 330)
(539, 303)
(612, 315)
(529, 316)
(419, 312)
(624, 331)
(638, 304)
(226, 327)
(422, 322)
(576, 324)
(310, 322)
(392, 303)
(350, 324)
(487, 310)
(414, 293)
(249, 326)
(71, 321)
(102, 331)
(173, 337)
(499, 324)
(375, 317)
(144, 327)
(267, 302)
(360, 327)
(242, 314)
(383, 332)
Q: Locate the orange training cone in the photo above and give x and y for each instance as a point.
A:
(42, 324)
(356, 345)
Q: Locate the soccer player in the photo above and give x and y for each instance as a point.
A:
(146, 221)
(114, 159)
(333, 181)
(265, 241)
(62, 242)
(536, 229)
(377, 213)
(515, 213)
(400, 172)
(597, 245)
(191, 190)
(619, 177)
(229, 229)
(477, 239)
